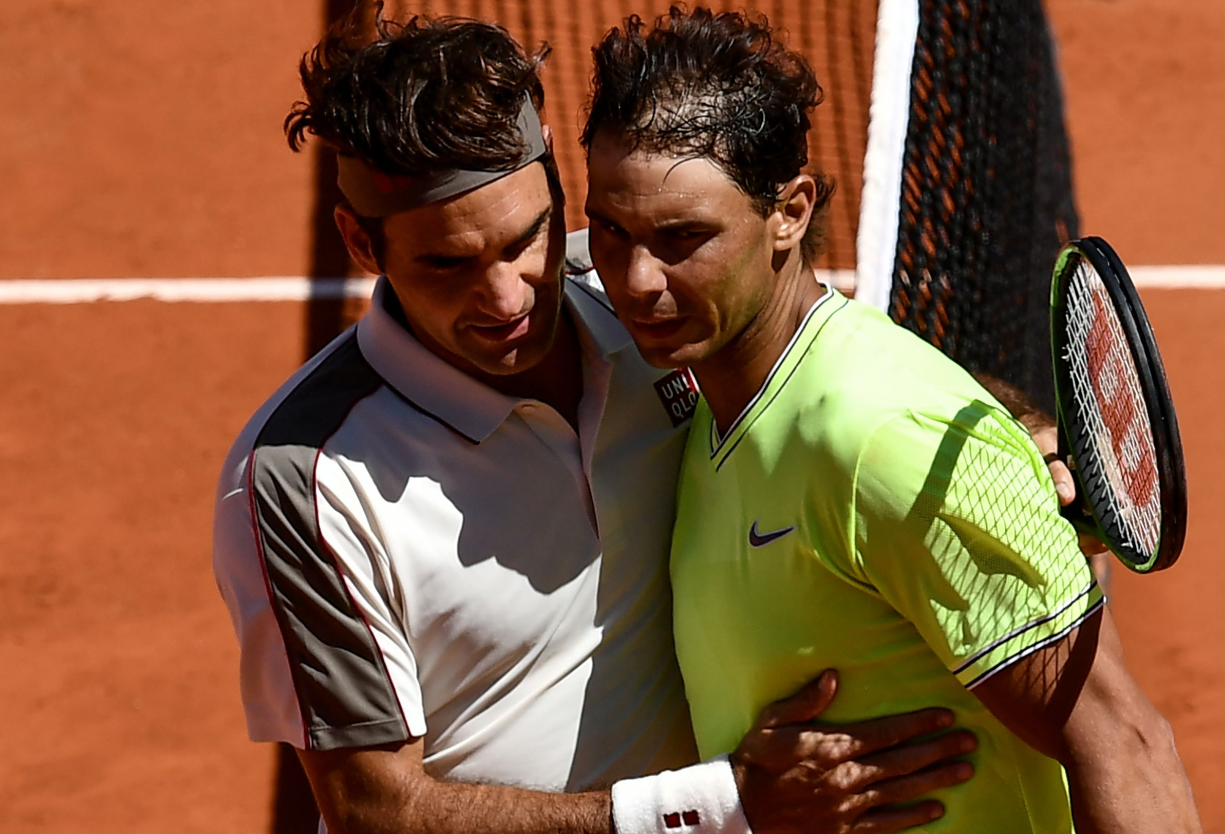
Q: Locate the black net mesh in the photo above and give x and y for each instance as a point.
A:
(986, 193)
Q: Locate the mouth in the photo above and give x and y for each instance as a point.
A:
(503, 331)
(656, 330)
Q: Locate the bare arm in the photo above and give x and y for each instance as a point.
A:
(1076, 702)
(385, 790)
(792, 775)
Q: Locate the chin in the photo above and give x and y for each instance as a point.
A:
(522, 357)
(515, 357)
(665, 357)
(515, 362)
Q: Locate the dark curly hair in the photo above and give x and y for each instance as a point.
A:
(719, 86)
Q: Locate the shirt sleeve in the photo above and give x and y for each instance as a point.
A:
(325, 662)
(957, 525)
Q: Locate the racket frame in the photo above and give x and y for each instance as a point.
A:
(1142, 345)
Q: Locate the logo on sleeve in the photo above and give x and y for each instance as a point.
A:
(678, 392)
(762, 539)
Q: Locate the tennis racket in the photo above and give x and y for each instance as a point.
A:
(1117, 426)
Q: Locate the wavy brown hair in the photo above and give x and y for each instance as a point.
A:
(414, 97)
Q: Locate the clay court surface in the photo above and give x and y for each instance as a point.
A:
(141, 140)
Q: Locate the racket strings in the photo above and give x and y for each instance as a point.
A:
(1109, 401)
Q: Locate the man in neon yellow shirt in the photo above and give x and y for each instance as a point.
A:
(850, 498)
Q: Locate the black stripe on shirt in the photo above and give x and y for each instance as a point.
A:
(1042, 644)
(986, 650)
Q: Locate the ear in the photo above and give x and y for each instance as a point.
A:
(547, 133)
(793, 212)
(356, 240)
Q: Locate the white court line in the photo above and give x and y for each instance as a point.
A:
(87, 290)
(297, 288)
(1186, 277)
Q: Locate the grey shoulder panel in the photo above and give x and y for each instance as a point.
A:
(343, 689)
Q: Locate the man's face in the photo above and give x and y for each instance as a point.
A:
(684, 255)
(479, 276)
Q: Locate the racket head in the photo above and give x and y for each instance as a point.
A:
(1132, 480)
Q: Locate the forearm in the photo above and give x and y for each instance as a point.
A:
(1125, 776)
(386, 791)
(1076, 702)
(453, 808)
(1107, 800)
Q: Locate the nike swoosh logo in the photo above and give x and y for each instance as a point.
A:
(762, 539)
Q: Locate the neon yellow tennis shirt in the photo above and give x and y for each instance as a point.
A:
(875, 511)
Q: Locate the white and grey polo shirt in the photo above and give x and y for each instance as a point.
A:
(407, 553)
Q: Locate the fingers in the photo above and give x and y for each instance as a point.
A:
(798, 776)
(905, 789)
(910, 758)
(855, 740)
(1065, 484)
(803, 706)
(1046, 438)
(886, 820)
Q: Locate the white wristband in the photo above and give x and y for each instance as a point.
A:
(701, 799)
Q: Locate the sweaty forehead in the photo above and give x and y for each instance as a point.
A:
(622, 178)
(490, 216)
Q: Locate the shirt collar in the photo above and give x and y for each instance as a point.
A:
(439, 389)
(594, 314)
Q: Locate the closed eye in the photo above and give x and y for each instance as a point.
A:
(442, 263)
(608, 227)
(687, 233)
(529, 237)
(520, 246)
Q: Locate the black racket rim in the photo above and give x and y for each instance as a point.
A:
(1167, 443)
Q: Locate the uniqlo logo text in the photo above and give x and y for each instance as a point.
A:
(678, 392)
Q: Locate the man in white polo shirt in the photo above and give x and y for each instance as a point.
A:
(443, 542)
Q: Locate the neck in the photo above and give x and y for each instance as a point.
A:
(733, 375)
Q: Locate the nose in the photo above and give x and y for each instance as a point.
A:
(644, 276)
(504, 293)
